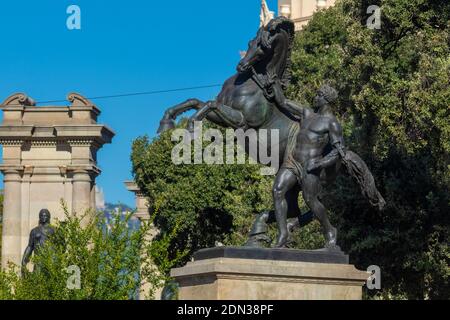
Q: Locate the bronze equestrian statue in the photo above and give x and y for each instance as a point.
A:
(254, 99)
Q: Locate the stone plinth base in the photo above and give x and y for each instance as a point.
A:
(225, 278)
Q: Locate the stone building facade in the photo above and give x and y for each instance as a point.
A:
(49, 155)
(301, 11)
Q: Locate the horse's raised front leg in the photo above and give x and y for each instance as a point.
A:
(168, 120)
(220, 114)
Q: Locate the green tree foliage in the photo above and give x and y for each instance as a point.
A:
(113, 261)
(395, 102)
(211, 202)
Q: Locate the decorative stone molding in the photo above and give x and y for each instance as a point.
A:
(15, 132)
(78, 100)
(81, 142)
(29, 170)
(80, 103)
(11, 171)
(41, 143)
(7, 142)
(18, 99)
(91, 169)
(82, 134)
(43, 132)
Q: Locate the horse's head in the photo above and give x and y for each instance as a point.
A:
(255, 52)
(273, 42)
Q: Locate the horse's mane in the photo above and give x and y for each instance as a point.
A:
(276, 25)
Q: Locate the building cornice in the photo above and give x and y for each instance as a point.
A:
(17, 134)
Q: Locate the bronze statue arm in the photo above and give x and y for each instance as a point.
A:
(329, 160)
(337, 138)
(297, 111)
(26, 256)
(29, 250)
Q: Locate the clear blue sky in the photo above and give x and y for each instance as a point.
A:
(122, 47)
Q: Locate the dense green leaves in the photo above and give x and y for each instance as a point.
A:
(211, 202)
(395, 102)
(113, 261)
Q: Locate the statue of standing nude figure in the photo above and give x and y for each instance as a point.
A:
(312, 159)
(38, 237)
(316, 147)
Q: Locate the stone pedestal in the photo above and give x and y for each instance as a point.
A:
(245, 278)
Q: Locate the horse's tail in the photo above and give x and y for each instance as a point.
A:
(358, 169)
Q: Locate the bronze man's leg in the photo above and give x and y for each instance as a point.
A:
(298, 219)
(284, 181)
(311, 188)
(258, 233)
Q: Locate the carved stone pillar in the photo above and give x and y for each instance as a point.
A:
(11, 244)
(142, 213)
(81, 191)
(93, 202)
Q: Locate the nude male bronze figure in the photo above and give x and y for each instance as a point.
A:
(316, 147)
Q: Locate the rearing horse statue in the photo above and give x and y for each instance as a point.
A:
(245, 101)
(250, 99)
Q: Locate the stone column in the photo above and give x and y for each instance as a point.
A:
(25, 207)
(11, 244)
(93, 201)
(143, 215)
(81, 191)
